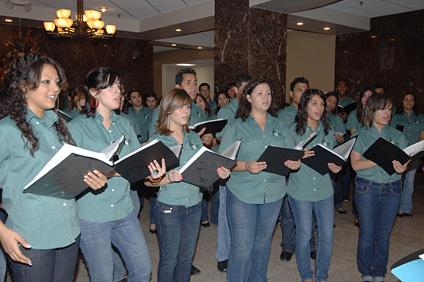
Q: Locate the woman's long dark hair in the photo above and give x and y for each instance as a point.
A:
(360, 107)
(301, 118)
(208, 110)
(97, 80)
(24, 75)
(334, 94)
(245, 107)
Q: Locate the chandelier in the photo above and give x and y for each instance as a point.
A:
(88, 25)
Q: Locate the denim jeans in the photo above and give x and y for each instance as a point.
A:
(303, 215)
(377, 207)
(47, 265)
(407, 190)
(224, 236)
(251, 226)
(126, 235)
(205, 208)
(337, 196)
(178, 229)
(214, 207)
(3, 217)
(152, 208)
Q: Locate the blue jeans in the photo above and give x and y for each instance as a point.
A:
(408, 189)
(223, 237)
(251, 226)
(303, 215)
(152, 208)
(215, 207)
(205, 208)
(377, 207)
(3, 265)
(47, 265)
(178, 229)
(337, 196)
(126, 235)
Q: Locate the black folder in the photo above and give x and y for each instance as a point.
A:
(212, 126)
(347, 109)
(276, 156)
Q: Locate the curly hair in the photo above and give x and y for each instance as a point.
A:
(301, 118)
(23, 76)
(245, 107)
(208, 110)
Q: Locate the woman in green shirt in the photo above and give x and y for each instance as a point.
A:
(108, 217)
(178, 207)
(254, 197)
(309, 191)
(42, 233)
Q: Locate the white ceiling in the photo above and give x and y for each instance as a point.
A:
(151, 17)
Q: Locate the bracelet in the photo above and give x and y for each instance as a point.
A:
(155, 180)
(162, 186)
(245, 165)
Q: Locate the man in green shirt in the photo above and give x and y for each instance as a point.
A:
(341, 89)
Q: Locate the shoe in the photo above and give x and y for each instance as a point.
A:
(400, 214)
(223, 265)
(125, 279)
(152, 228)
(342, 211)
(356, 222)
(313, 255)
(346, 199)
(407, 214)
(285, 256)
(194, 270)
(205, 224)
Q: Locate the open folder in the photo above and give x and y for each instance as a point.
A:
(212, 126)
(276, 156)
(383, 153)
(339, 156)
(201, 169)
(62, 176)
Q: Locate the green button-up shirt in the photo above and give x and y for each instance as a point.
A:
(352, 120)
(113, 202)
(143, 119)
(336, 123)
(263, 187)
(366, 137)
(228, 112)
(306, 184)
(44, 222)
(412, 124)
(212, 105)
(181, 193)
(287, 115)
(346, 101)
(75, 112)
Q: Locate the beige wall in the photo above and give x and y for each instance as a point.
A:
(164, 76)
(311, 55)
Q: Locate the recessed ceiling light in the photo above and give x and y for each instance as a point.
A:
(327, 28)
(373, 36)
(200, 48)
(392, 39)
(299, 23)
(178, 30)
(103, 9)
(173, 44)
(8, 20)
(185, 65)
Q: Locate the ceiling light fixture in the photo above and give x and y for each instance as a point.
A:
(26, 5)
(103, 9)
(89, 26)
(299, 23)
(185, 65)
(373, 36)
(173, 44)
(8, 20)
(327, 28)
(200, 48)
(178, 30)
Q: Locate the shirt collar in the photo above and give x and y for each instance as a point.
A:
(99, 118)
(50, 117)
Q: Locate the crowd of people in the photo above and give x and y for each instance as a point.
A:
(41, 235)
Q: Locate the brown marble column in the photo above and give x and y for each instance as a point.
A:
(250, 40)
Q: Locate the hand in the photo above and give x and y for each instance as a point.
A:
(112, 174)
(157, 171)
(334, 168)
(339, 138)
(308, 153)
(344, 116)
(255, 167)
(174, 176)
(200, 133)
(399, 168)
(223, 172)
(207, 139)
(293, 165)
(95, 179)
(10, 240)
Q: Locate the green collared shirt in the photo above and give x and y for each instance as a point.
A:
(336, 123)
(306, 184)
(228, 112)
(44, 222)
(263, 187)
(346, 101)
(75, 113)
(181, 193)
(287, 115)
(113, 202)
(412, 124)
(212, 105)
(366, 137)
(143, 119)
(352, 121)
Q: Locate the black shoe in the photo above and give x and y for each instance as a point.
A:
(407, 214)
(342, 211)
(285, 256)
(313, 255)
(205, 224)
(400, 215)
(151, 230)
(194, 270)
(356, 222)
(223, 265)
(346, 199)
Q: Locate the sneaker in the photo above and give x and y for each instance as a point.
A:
(285, 256)
(223, 265)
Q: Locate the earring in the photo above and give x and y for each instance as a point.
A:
(94, 102)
